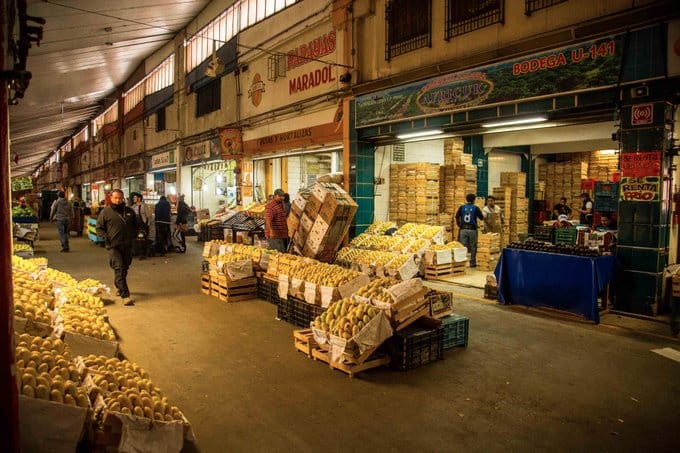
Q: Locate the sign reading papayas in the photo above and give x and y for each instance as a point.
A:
(645, 188)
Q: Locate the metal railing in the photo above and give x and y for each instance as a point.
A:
(464, 16)
(408, 26)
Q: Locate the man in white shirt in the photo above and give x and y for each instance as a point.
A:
(493, 216)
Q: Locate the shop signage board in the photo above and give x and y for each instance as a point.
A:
(295, 139)
(231, 143)
(591, 64)
(642, 114)
(644, 188)
(205, 150)
(163, 159)
(22, 183)
(641, 164)
(133, 166)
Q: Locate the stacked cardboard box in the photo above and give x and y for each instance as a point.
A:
(519, 204)
(453, 153)
(318, 224)
(488, 251)
(503, 197)
(414, 193)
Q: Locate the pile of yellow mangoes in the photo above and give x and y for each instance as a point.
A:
(431, 232)
(22, 247)
(402, 245)
(417, 245)
(32, 298)
(85, 321)
(89, 284)
(126, 388)
(324, 274)
(59, 277)
(448, 246)
(377, 288)
(75, 296)
(380, 227)
(45, 371)
(345, 318)
(347, 256)
(24, 265)
(398, 261)
(405, 229)
(41, 261)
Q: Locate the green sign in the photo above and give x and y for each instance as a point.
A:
(22, 183)
(592, 64)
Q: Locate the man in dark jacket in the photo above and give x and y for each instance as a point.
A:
(466, 219)
(162, 216)
(117, 225)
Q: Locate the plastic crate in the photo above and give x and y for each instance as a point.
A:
(607, 189)
(606, 204)
(268, 290)
(565, 236)
(456, 330)
(297, 312)
(284, 310)
(544, 233)
(416, 346)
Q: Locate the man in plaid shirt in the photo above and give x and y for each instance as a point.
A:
(275, 225)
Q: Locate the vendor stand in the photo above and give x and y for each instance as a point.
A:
(242, 222)
(565, 282)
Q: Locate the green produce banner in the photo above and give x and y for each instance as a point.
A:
(592, 64)
(645, 188)
(22, 183)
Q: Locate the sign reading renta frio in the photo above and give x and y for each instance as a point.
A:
(645, 188)
(591, 64)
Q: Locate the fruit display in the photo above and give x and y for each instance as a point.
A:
(402, 245)
(21, 211)
(405, 229)
(85, 321)
(32, 298)
(398, 261)
(375, 242)
(380, 227)
(377, 288)
(563, 249)
(22, 247)
(80, 298)
(417, 246)
(90, 285)
(324, 274)
(359, 240)
(432, 232)
(347, 256)
(126, 388)
(58, 277)
(40, 262)
(45, 371)
(283, 263)
(345, 318)
(26, 265)
(448, 246)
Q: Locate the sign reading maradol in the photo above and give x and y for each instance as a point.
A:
(645, 188)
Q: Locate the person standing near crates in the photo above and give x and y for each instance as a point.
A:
(586, 210)
(466, 219)
(493, 216)
(62, 213)
(275, 222)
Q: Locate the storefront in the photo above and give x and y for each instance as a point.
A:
(212, 180)
(134, 179)
(562, 137)
(161, 178)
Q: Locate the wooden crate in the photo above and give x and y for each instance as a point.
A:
(676, 286)
(233, 290)
(304, 342)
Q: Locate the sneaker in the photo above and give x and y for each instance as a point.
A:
(64, 250)
(128, 301)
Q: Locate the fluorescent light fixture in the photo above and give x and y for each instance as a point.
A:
(431, 137)
(531, 120)
(521, 128)
(608, 151)
(131, 177)
(100, 182)
(420, 134)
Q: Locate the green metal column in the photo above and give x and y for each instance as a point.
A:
(643, 225)
(475, 145)
(361, 180)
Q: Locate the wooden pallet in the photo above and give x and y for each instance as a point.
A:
(205, 284)
(304, 342)
(233, 290)
(438, 271)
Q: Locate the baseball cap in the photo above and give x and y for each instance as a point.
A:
(279, 192)
(563, 218)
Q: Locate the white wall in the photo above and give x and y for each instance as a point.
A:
(426, 151)
(294, 175)
(500, 161)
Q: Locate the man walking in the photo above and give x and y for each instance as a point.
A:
(143, 212)
(275, 222)
(62, 213)
(117, 225)
(162, 215)
(466, 219)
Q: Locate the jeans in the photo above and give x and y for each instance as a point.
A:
(62, 227)
(469, 239)
(120, 258)
(278, 244)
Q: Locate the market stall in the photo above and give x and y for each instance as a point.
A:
(565, 282)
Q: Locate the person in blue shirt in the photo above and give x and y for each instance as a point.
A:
(466, 219)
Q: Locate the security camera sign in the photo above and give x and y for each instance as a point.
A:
(645, 188)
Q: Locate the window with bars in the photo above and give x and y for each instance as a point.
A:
(239, 16)
(208, 98)
(534, 5)
(162, 76)
(464, 16)
(408, 26)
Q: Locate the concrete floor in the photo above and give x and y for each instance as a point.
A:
(524, 383)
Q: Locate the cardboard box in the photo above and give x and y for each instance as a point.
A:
(306, 223)
(203, 214)
(299, 203)
(312, 207)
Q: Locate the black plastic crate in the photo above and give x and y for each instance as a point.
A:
(284, 310)
(268, 290)
(297, 312)
(415, 346)
(544, 233)
(456, 330)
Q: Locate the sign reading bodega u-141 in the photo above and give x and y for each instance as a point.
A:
(587, 65)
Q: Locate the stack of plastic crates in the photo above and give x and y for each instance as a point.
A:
(456, 330)
(544, 233)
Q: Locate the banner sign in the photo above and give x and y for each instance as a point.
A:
(205, 150)
(591, 64)
(641, 164)
(645, 188)
(163, 159)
